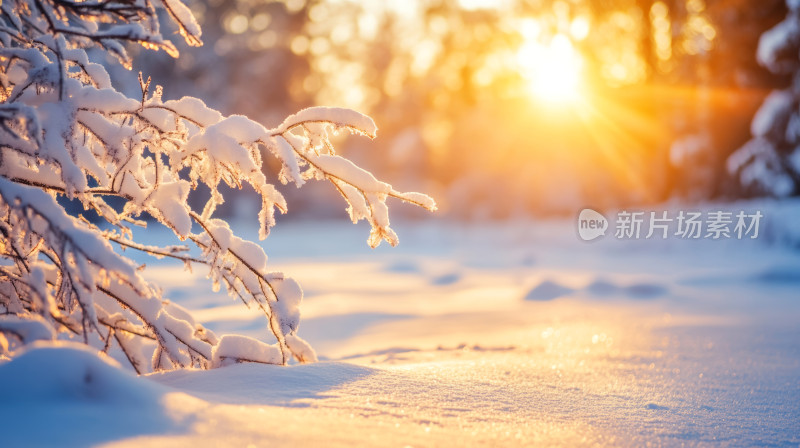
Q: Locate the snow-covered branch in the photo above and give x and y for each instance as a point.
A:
(65, 130)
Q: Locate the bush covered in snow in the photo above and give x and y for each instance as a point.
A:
(770, 162)
(65, 130)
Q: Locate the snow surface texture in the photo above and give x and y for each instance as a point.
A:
(497, 335)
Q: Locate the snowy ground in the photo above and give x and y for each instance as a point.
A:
(496, 335)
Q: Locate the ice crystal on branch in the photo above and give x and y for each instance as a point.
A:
(64, 130)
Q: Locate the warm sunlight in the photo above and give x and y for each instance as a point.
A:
(553, 70)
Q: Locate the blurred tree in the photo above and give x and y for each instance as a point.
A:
(655, 73)
(665, 90)
(715, 57)
(770, 162)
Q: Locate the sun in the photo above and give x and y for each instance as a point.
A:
(552, 69)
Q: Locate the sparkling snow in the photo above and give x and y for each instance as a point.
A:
(496, 334)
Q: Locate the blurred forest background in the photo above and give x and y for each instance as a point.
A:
(499, 108)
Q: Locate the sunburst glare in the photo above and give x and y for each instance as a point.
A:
(552, 69)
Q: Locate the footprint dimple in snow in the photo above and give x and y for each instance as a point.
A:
(645, 290)
(656, 407)
(605, 288)
(547, 290)
(602, 288)
(446, 279)
(778, 274)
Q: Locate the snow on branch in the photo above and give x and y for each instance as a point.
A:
(65, 131)
(309, 154)
(338, 117)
